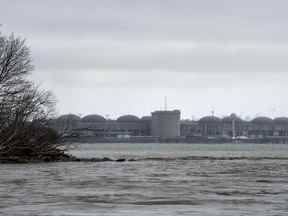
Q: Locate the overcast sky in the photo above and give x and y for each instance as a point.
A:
(114, 57)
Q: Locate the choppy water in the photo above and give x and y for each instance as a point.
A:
(152, 187)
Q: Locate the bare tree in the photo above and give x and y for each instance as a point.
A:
(25, 109)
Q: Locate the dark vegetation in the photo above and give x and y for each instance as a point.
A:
(25, 109)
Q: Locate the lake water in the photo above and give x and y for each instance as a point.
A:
(165, 179)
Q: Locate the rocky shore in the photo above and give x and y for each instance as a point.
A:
(70, 158)
(42, 158)
(62, 158)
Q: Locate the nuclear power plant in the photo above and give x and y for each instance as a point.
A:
(167, 126)
(161, 125)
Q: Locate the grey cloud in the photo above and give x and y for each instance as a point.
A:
(173, 56)
(185, 19)
(226, 54)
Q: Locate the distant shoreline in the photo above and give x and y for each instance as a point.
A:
(197, 140)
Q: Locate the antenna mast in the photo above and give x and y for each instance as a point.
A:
(213, 112)
(165, 103)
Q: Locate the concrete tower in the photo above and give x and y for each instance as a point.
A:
(166, 124)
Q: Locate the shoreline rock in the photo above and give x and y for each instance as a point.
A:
(64, 158)
(70, 158)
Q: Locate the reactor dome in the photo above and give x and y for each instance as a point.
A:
(93, 118)
(281, 120)
(231, 118)
(128, 118)
(210, 119)
(69, 117)
(146, 118)
(262, 120)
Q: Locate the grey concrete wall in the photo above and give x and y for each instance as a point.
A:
(166, 124)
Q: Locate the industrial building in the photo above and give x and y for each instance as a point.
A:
(168, 126)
